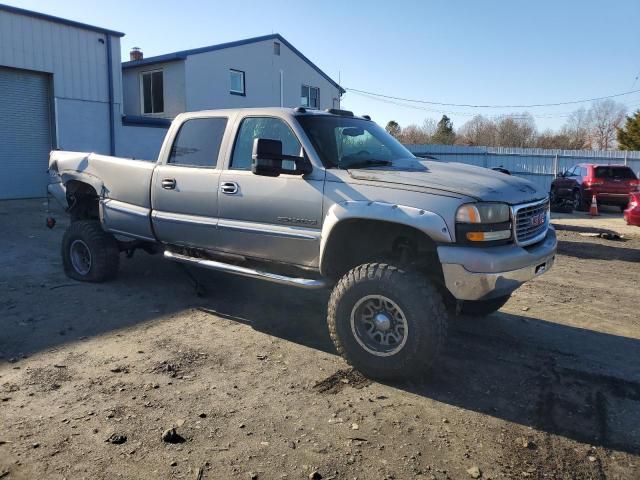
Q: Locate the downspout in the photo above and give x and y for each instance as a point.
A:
(112, 136)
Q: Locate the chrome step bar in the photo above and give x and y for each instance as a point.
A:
(307, 283)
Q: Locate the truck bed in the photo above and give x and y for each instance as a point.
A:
(123, 185)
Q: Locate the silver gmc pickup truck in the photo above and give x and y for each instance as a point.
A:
(316, 199)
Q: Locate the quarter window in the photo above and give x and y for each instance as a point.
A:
(152, 92)
(198, 142)
(310, 97)
(236, 78)
(262, 127)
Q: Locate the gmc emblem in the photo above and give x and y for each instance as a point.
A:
(538, 220)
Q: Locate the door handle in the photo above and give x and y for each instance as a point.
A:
(168, 183)
(230, 188)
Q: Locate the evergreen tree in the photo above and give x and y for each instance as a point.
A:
(629, 134)
(444, 132)
(393, 128)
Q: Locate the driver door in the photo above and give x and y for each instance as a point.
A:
(271, 218)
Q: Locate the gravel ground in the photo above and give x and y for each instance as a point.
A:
(92, 375)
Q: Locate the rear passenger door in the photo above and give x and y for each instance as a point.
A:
(272, 218)
(184, 193)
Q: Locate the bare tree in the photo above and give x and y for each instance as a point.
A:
(429, 127)
(478, 131)
(605, 117)
(516, 131)
(413, 135)
(576, 129)
(551, 139)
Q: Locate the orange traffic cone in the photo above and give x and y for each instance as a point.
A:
(593, 210)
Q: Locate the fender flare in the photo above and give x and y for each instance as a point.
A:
(83, 177)
(430, 223)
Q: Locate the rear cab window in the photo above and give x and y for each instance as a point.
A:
(617, 173)
(197, 143)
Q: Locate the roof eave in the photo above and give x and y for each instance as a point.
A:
(181, 55)
(64, 21)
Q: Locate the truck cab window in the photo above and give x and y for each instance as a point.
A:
(262, 127)
(198, 142)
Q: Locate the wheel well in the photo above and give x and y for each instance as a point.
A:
(358, 241)
(82, 201)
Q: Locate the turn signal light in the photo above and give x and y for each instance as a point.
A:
(488, 236)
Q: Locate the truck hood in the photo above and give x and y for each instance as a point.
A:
(457, 178)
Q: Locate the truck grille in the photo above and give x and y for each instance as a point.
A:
(531, 222)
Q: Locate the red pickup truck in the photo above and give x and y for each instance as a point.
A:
(611, 184)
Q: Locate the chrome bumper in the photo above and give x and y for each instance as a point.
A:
(483, 273)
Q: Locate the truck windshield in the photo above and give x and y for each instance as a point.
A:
(346, 142)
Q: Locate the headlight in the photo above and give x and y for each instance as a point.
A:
(483, 213)
(483, 222)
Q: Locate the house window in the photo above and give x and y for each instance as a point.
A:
(310, 97)
(152, 92)
(276, 48)
(236, 78)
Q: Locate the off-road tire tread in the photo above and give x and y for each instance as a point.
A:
(422, 291)
(104, 251)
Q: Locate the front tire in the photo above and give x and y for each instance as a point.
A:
(387, 322)
(89, 254)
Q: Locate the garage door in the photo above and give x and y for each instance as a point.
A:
(25, 133)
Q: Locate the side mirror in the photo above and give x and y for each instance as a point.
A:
(267, 158)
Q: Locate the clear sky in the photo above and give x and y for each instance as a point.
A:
(464, 52)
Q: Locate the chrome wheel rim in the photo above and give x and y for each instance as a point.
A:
(379, 325)
(80, 257)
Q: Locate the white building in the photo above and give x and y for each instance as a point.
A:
(60, 87)
(257, 72)
(264, 71)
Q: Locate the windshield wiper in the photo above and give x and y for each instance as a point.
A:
(366, 163)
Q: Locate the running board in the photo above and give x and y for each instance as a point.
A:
(307, 283)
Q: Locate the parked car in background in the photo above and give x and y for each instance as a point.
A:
(611, 184)
(632, 213)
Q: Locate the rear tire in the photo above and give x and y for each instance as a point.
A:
(482, 308)
(386, 322)
(89, 254)
(578, 201)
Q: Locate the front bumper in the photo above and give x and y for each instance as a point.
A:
(472, 273)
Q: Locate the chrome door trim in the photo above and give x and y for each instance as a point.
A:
(183, 218)
(124, 207)
(298, 233)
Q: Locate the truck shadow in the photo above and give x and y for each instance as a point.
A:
(562, 380)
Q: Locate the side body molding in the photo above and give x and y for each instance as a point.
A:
(428, 222)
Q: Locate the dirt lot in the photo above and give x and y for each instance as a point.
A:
(547, 388)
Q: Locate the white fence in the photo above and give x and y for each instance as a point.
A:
(538, 165)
